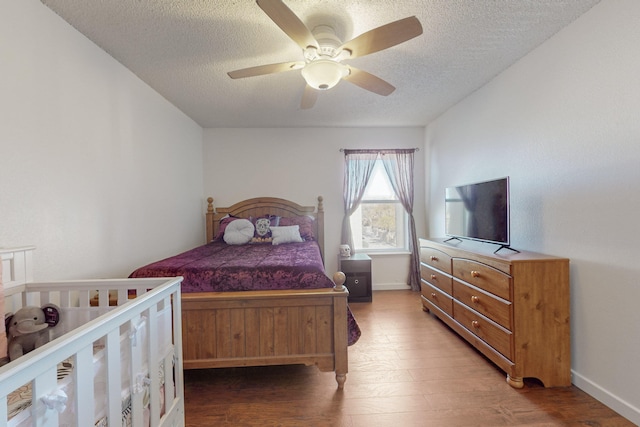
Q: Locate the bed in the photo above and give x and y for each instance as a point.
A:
(113, 359)
(250, 318)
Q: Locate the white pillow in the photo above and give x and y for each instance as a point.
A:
(238, 232)
(286, 234)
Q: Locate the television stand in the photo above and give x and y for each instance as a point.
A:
(514, 308)
(505, 247)
(453, 238)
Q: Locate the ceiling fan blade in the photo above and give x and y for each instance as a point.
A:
(384, 37)
(266, 69)
(369, 82)
(309, 97)
(288, 22)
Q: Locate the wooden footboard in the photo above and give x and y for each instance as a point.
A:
(258, 328)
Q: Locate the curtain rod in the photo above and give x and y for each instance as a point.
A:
(379, 149)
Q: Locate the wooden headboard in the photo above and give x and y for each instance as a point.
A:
(259, 206)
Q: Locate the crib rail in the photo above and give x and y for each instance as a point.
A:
(39, 367)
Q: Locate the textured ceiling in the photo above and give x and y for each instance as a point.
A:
(183, 49)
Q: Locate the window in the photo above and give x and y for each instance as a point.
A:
(380, 222)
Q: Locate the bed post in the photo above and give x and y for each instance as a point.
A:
(340, 332)
(209, 219)
(320, 226)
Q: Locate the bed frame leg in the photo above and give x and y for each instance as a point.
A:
(340, 379)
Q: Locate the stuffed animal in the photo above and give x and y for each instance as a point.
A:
(27, 329)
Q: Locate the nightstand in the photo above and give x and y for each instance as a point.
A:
(357, 269)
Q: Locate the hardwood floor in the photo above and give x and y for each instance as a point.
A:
(407, 369)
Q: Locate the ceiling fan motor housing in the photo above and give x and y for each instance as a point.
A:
(323, 70)
(327, 40)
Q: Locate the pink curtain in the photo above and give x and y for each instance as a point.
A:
(399, 165)
(358, 165)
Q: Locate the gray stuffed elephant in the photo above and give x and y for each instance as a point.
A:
(27, 329)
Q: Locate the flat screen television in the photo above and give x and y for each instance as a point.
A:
(479, 211)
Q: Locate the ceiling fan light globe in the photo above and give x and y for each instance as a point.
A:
(323, 74)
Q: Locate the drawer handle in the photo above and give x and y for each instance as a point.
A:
(475, 273)
(355, 282)
(433, 277)
(433, 258)
(433, 295)
(475, 324)
(475, 299)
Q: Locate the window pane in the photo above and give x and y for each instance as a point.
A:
(380, 222)
(379, 226)
(379, 187)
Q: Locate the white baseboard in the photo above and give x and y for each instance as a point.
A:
(390, 287)
(612, 401)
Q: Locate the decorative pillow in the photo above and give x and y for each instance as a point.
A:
(238, 232)
(222, 225)
(304, 222)
(275, 220)
(286, 234)
(263, 226)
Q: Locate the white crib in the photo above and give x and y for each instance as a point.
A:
(114, 359)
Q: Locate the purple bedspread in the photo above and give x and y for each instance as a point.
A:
(218, 267)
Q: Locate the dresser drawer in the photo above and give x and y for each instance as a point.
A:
(437, 297)
(436, 278)
(488, 331)
(483, 277)
(496, 309)
(436, 259)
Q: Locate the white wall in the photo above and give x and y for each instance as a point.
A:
(97, 170)
(564, 124)
(299, 165)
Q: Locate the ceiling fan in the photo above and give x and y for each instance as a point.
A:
(324, 52)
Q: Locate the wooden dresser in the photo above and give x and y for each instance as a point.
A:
(513, 307)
